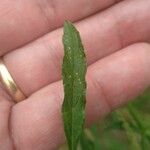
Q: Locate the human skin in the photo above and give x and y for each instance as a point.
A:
(116, 35)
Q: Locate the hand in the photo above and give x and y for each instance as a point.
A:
(118, 63)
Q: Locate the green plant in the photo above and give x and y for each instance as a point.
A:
(73, 71)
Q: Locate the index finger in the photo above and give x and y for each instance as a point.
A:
(22, 21)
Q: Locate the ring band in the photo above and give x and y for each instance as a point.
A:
(10, 85)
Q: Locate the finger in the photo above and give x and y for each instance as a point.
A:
(22, 21)
(102, 34)
(112, 82)
(5, 115)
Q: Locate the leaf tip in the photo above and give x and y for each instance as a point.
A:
(69, 25)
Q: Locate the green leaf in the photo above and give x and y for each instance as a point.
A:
(90, 139)
(86, 143)
(73, 72)
(133, 139)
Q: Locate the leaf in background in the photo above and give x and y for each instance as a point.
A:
(86, 143)
(90, 139)
(73, 72)
(132, 136)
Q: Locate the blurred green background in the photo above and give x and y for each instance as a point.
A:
(127, 128)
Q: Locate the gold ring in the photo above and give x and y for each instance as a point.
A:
(10, 85)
